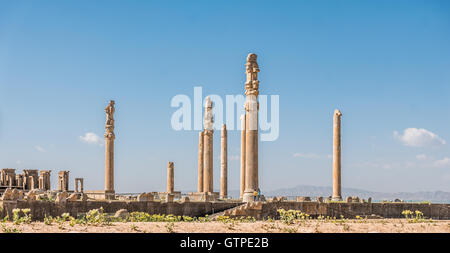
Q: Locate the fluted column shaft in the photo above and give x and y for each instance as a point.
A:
(251, 148)
(224, 163)
(337, 195)
(109, 164)
(243, 140)
(207, 161)
(200, 162)
(170, 177)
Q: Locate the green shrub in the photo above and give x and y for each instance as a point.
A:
(97, 217)
(290, 216)
(21, 216)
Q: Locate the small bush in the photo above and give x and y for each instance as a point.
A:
(290, 216)
(21, 216)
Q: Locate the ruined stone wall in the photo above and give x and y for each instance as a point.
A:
(259, 210)
(351, 210)
(41, 208)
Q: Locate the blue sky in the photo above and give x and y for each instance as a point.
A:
(384, 64)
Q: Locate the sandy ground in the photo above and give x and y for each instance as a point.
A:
(312, 226)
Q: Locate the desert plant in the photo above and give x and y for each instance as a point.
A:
(170, 227)
(407, 213)
(346, 227)
(97, 217)
(18, 218)
(6, 229)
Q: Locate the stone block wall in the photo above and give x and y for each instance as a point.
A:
(41, 208)
(351, 210)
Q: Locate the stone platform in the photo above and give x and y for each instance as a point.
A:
(41, 208)
(203, 196)
(263, 210)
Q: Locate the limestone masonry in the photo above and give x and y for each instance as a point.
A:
(32, 188)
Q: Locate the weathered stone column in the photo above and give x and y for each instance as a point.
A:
(76, 185)
(31, 180)
(79, 185)
(207, 136)
(109, 148)
(44, 180)
(224, 163)
(170, 177)
(109, 164)
(337, 195)
(242, 188)
(200, 162)
(251, 128)
(208, 147)
(19, 181)
(63, 180)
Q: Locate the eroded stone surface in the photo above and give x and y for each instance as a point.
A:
(109, 147)
(122, 213)
(61, 197)
(337, 194)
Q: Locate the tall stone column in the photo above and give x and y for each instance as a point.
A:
(200, 162)
(242, 188)
(109, 148)
(208, 147)
(207, 137)
(337, 195)
(224, 163)
(251, 128)
(170, 177)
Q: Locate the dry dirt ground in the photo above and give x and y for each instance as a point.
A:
(311, 226)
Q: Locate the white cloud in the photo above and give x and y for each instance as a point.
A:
(307, 155)
(91, 138)
(39, 148)
(421, 157)
(445, 162)
(419, 137)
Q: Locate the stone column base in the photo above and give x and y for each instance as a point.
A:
(248, 197)
(336, 198)
(110, 195)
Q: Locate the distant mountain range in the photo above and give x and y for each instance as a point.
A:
(315, 191)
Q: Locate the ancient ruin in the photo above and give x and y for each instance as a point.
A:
(20, 190)
(208, 147)
(200, 162)
(79, 181)
(30, 179)
(63, 180)
(224, 163)
(243, 140)
(44, 180)
(109, 148)
(337, 195)
(251, 128)
(8, 177)
(170, 177)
